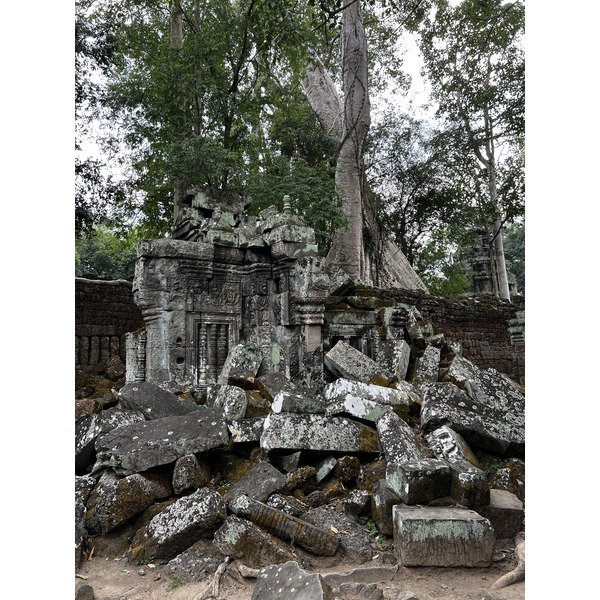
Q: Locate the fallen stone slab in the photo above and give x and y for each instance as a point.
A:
(413, 328)
(180, 525)
(232, 401)
(469, 486)
(442, 537)
(364, 401)
(495, 424)
(140, 446)
(246, 430)
(317, 432)
(290, 582)
(247, 542)
(364, 575)
(270, 384)
(469, 483)
(489, 386)
(88, 430)
(288, 462)
(115, 499)
(505, 512)
(302, 478)
(383, 499)
(354, 540)
(288, 504)
(419, 481)
(197, 563)
(81, 534)
(189, 473)
(284, 526)
(324, 467)
(262, 481)
(153, 401)
(410, 391)
(396, 357)
(356, 503)
(427, 365)
(294, 402)
(460, 371)
(345, 361)
(449, 445)
(241, 365)
(398, 441)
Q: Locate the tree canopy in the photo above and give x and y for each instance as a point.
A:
(213, 92)
(474, 61)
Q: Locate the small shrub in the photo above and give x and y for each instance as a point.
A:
(175, 582)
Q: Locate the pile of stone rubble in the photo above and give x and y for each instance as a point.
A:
(269, 473)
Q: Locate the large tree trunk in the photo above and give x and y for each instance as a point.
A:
(347, 251)
(348, 123)
(176, 45)
(498, 245)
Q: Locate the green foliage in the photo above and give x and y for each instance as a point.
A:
(475, 64)
(426, 196)
(175, 582)
(514, 252)
(311, 189)
(221, 107)
(370, 525)
(101, 252)
(474, 61)
(439, 265)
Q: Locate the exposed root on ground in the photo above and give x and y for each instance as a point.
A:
(517, 574)
(212, 591)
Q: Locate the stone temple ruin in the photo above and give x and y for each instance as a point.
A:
(270, 408)
(227, 279)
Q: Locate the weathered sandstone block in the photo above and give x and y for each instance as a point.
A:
(153, 401)
(383, 499)
(289, 581)
(505, 512)
(419, 481)
(140, 446)
(181, 525)
(442, 537)
(345, 361)
(232, 401)
(88, 430)
(317, 432)
(115, 500)
(495, 423)
(262, 481)
(364, 401)
(427, 365)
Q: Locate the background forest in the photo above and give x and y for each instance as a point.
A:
(213, 92)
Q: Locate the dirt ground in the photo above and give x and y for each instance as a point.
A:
(116, 579)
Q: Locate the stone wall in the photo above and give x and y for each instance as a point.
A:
(490, 330)
(104, 313)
